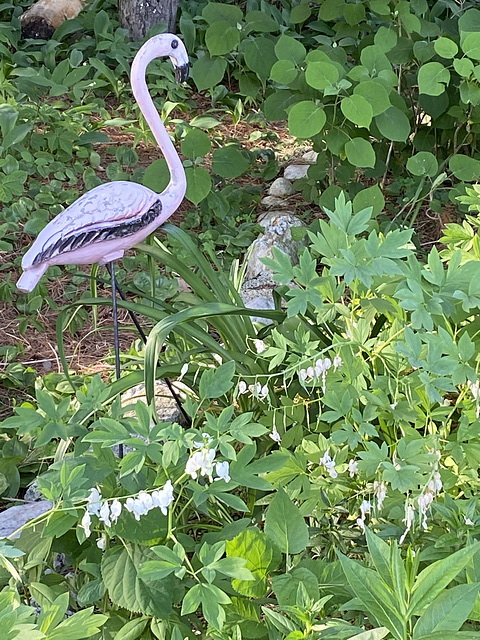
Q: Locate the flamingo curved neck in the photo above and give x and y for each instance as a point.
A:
(176, 188)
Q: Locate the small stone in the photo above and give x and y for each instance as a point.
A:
(296, 171)
(310, 157)
(14, 518)
(272, 201)
(280, 187)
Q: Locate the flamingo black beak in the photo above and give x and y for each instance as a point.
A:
(182, 73)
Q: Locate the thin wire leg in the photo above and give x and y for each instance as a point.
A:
(116, 341)
(141, 332)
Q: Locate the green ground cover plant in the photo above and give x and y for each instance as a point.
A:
(327, 486)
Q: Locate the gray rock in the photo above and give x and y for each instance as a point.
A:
(280, 188)
(296, 171)
(257, 290)
(310, 157)
(269, 202)
(16, 517)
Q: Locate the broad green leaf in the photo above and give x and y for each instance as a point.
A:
(254, 546)
(445, 47)
(464, 167)
(386, 39)
(305, 119)
(260, 56)
(288, 48)
(393, 124)
(434, 578)
(260, 22)
(284, 524)
(284, 72)
(300, 13)
(370, 197)
(229, 162)
(423, 163)
(321, 75)
(199, 184)
(375, 93)
(221, 38)
(215, 382)
(156, 175)
(120, 567)
(219, 11)
(471, 45)
(208, 72)
(463, 66)
(360, 152)
(433, 78)
(286, 586)
(196, 144)
(357, 109)
(448, 611)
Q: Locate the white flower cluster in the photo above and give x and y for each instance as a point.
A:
(365, 507)
(329, 464)
(108, 512)
(424, 500)
(320, 370)
(475, 389)
(255, 390)
(202, 462)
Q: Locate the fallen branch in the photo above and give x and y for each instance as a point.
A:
(43, 17)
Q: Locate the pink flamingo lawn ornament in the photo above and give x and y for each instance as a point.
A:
(111, 218)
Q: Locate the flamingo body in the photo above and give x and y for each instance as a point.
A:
(113, 217)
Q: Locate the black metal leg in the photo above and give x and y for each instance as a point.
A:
(115, 288)
(116, 341)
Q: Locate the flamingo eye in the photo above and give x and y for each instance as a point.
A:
(174, 44)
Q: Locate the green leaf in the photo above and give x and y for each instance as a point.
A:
(215, 382)
(445, 47)
(393, 124)
(375, 595)
(254, 546)
(126, 589)
(433, 78)
(288, 48)
(370, 197)
(357, 109)
(260, 22)
(221, 38)
(196, 144)
(133, 629)
(285, 525)
(199, 184)
(375, 93)
(260, 56)
(448, 611)
(434, 578)
(305, 119)
(464, 168)
(229, 162)
(360, 153)
(208, 72)
(423, 163)
(218, 11)
(471, 45)
(283, 72)
(157, 175)
(286, 586)
(321, 75)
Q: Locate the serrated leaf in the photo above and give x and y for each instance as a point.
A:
(126, 589)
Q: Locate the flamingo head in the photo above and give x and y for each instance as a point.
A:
(179, 57)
